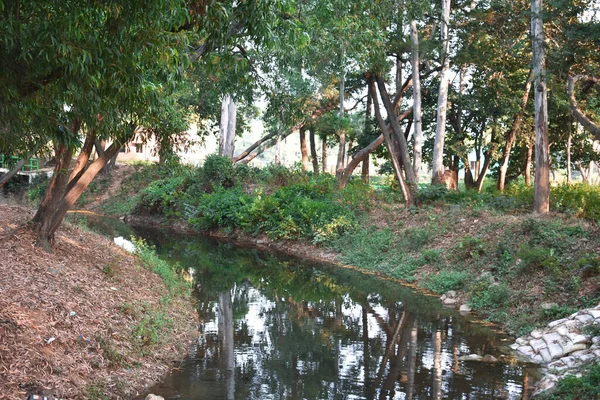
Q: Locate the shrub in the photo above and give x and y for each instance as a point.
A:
(574, 388)
(445, 280)
(221, 209)
(536, 258)
(219, 171)
(491, 296)
(470, 247)
(161, 197)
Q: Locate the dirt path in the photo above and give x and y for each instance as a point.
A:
(116, 177)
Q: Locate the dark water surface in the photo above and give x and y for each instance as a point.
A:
(279, 328)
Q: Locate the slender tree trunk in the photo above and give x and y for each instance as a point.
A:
(407, 191)
(324, 155)
(83, 159)
(313, 151)
(541, 197)
(231, 127)
(361, 156)
(12, 172)
(528, 160)
(339, 170)
(569, 140)
(418, 135)
(365, 175)
(511, 137)
(278, 150)
(440, 132)
(579, 115)
(224, 124)
(303, 148)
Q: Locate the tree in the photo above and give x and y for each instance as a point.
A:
(440, 132)
(541, 199)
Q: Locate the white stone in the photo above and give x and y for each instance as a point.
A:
(557, 322)
(514, 346)
(578, 338)
(584, 318)
(527, 350)
(548, 306)
(443, 297)
(594, 313)
(470, 357)
(450, 302)
(596, 339)
(154, 397)
(538, 344)
(572, 324)
(521, 341)
(465, 308)
(536, 334)
(562, 330)
(545, 354)
(451, 293)
(555, 350)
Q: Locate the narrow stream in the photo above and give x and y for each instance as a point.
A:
(279, 328)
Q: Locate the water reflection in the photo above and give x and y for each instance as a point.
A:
(274, 328)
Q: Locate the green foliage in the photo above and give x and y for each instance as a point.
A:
(444, 281)
(586, 387)
(219, 171)
(147, 332)
(38, 187)
(469, 247)
(558, 312)
(220, 209)
(170, 274)
(415, 238)
(161, 197)
(429, 193)
(536, 258)
(490, 296)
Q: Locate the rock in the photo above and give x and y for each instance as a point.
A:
(154, 397)
(596, 339)
(521, 341)
(577, 338)
(444, 297)
(572, 324)
(555, 350)
(562, 330)
(594, 313)
(451, 294)
(548, 306)
(536, 334)
(489, 359)
(538, 344)
(545, 355)
(584, 318)
(54, 271)
(465, 308)
(527, 350)
(557, 322)
(470, 357)
(450, 302)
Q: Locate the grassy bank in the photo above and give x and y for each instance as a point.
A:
(88, 320)
(503, 261)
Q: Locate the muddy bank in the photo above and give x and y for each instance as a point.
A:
(85, 321)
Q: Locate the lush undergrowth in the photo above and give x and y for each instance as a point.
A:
(487, 246)
(586, 387)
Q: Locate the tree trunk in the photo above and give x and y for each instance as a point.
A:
(528, 160)
(440, 131)
(397, 132)
(278, 150)
(359, 157)
(303, 148)
(231, 127)
(569, 140)
(62, 193)
(324, 155)
(365, 175)
(511, 137)
(313, 151)
(418, 136)
(587, 123)
(541, 197)
(224, 123)
(339, 170)
(407, 190)
(12, 172)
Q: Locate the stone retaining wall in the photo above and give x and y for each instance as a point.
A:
(561, 347)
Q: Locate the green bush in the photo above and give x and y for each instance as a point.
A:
(161, 197)
(491, 296)
(221, 209)
(469, 247)
(219, 171)
(536, 258)
(586, 387)
(444, 281)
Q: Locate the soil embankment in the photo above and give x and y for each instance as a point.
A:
(85, 321)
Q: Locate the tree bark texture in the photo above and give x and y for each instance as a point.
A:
(324, 155)
(541, 197)
(12, 172)
(579, 115)
(440, 131)
(313, 151)
(528, 160)
(303, 148)
(227, 127)
(569, 140)
(418, 135)
(341, 158)
(407, 191)
(511, 137)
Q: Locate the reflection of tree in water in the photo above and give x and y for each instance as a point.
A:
(301, 332)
